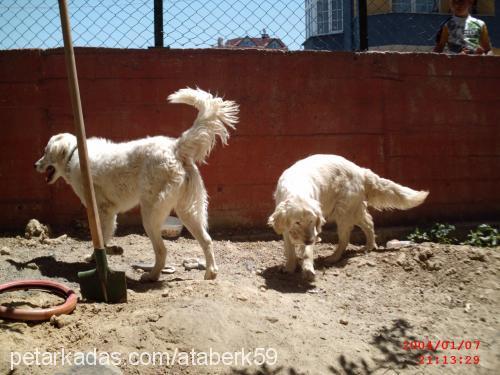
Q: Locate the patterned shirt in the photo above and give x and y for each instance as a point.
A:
(464, 33)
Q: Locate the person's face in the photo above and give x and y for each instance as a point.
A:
(461, 7)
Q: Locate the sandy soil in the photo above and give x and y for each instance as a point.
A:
(354, 319)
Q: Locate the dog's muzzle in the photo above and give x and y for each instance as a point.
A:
(49, 171)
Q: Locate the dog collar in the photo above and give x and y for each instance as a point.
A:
(71, 154)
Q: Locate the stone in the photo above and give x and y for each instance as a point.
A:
(397, 244)
(35, 229)
(193, 264)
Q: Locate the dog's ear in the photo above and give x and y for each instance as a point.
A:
(320, 220)
(278, 219)
(60, 145)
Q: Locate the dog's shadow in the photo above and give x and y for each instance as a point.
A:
(322, 262)
(280, 281)
(277, 279)
(49, 267)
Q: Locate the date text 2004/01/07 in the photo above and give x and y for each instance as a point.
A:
(441, 344)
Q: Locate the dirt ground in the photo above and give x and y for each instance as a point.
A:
(354, 319)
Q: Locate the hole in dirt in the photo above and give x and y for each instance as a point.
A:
(30, 299)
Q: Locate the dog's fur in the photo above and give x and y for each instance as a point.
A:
(329, 188)
(158, 173)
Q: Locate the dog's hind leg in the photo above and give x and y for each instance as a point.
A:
(194, 222)
(366, 225)
(191, 208)
(153, 216)
(344, 232)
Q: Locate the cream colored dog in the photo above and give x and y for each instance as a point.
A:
(329, 188)
(158, 173)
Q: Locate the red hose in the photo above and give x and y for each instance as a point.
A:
(38, 314)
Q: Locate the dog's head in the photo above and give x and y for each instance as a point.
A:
(300, 218)
(56, 155)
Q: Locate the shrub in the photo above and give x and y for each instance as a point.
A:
(483, 236)
(439, 233)
(418, 236)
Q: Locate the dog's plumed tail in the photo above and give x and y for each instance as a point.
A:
(382, 193)
(215, 115)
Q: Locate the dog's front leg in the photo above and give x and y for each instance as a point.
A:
(154, 234)
(110, 250)
(308, 272)
(152, 219)
(290, 255)
(108, 227)
(160, 258)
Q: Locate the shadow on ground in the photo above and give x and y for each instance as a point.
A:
(391, 356)
(283, 282)
(52, 268)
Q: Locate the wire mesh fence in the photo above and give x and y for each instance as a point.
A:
(398, 25)
(95, 23)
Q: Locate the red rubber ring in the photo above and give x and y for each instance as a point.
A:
(38, 314)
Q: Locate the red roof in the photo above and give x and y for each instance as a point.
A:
(263, 42)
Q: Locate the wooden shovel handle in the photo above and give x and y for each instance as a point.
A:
(92, 213)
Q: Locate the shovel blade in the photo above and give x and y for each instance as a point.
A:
(114, 290)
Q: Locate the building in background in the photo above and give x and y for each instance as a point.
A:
(400, 25)
(264, 42)
(329, 25)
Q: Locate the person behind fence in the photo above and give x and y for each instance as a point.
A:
(463, 33)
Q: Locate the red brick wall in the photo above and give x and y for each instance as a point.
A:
(427, 121)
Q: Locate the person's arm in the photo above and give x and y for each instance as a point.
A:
(484, 41)
(441, 39)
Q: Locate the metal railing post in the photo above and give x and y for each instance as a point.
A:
(158, 21)
(363, 25)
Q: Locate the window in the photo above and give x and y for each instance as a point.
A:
(246, 43)
(337, 19)
(401, 6)
(274, 44)
(324, 17)
(323, 24)
(415, 6)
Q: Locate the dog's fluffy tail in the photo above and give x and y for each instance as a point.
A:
(214, 117)
(386, 194)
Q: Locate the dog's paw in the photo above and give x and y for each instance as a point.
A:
(211, 273)
(148, 277)
(308, 275)
(89, 258)
(367, 248)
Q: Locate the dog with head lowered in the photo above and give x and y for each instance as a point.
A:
(329, 188)
(158, 173)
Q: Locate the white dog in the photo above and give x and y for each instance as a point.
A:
(326, 188)
(159, 173)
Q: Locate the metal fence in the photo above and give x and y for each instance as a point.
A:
(95, 23)
(401, 25)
